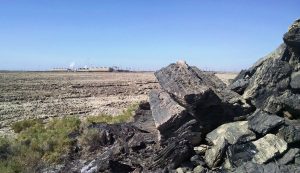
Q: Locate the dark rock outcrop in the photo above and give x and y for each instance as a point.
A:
(184, 85)
(171, 119)
(262, 122)
(251, 126)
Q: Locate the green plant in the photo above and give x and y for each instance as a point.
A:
(24, 124)
(37, 144)
(125, 116)
(5, 148)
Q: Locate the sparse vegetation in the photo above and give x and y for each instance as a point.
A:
(125, 116)
(37, 144)
(90, 139)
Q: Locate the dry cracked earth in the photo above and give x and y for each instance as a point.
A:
(55, 94)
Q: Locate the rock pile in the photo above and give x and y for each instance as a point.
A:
(195, 123)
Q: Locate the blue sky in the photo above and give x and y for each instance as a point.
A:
(141, 34)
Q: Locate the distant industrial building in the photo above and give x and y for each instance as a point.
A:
(85, 69)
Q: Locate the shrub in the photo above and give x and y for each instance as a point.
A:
(5, 148)
(24, 124)
(37, 144)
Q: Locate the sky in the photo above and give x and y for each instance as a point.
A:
(227, 35)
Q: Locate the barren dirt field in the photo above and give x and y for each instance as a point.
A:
(55, 94)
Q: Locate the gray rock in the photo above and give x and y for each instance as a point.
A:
(214, 155)
(251, 167)
(199, 169)
(297, 159)
(289, 156)
(269, 79)
(139, 140)
(185, 86)
(286, 102)
(295, 80)
(197, 160)
(201, 149)
(239, 86)
(289, 133)
(260, 151)
(175, 153)
(262, 122)
(235, 132)
(172, 120)
(292, 37)
(243, 74)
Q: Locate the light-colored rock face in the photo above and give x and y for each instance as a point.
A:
(233, 132)
(214, 155)
(267, 148)
(295, 80)
(164, 108)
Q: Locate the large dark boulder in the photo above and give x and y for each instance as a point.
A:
(185, 86)
(271, 78)
(292, 37)
(262, 122)
(171, 119)
(287, 104)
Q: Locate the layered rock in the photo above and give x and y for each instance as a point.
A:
(259, 151)
(262, 122)
(236, 132)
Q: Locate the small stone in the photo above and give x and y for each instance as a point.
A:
(199, 169)
(180, 170)
(201, 149)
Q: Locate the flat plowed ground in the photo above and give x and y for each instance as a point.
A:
(55, 94)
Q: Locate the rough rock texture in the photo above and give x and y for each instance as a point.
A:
(173, 155)
(295, 80)
(274, 80)
(184, 85)
(214, 155)
(192, 104)
(236, 132)
(239, 86)
(262, 122)
(289, 156)
(251, 167)
(259, 151)
(270, 78)
(289, 133)
(171, 119)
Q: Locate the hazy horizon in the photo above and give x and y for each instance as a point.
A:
(139, 34)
